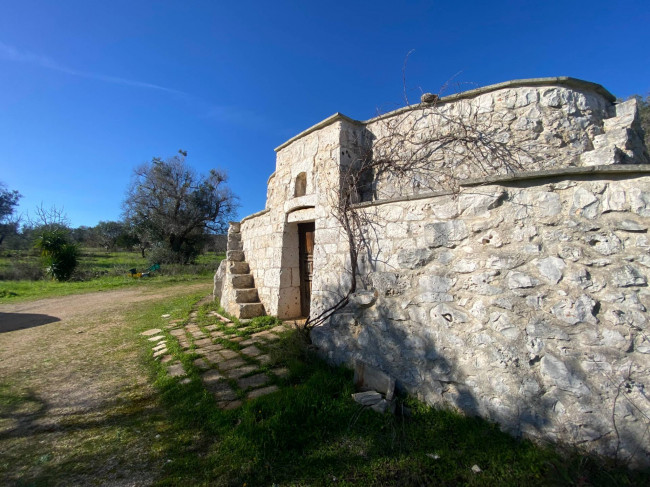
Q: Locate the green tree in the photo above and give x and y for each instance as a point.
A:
(8, 202)
(176, 207)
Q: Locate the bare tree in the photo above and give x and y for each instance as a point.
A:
(175, 206)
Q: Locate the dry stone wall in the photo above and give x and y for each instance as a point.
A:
(524, 303)
(521, 299)
(504, 129)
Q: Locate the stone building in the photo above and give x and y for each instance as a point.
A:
(514, 288)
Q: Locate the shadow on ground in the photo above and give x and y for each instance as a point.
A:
(20, 321)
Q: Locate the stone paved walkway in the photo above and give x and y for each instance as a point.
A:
(232, 367)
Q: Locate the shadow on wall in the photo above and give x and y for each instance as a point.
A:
(437, 358)
(20, 321)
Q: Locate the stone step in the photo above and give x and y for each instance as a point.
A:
(238, 267)
(242, 281)
(246, 295)
(235, 255)
(251, 310)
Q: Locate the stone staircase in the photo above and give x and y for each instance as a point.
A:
(246, 302)
(620, 142)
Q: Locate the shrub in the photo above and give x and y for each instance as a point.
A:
(59, 256)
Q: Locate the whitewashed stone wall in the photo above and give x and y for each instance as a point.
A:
(524, 303)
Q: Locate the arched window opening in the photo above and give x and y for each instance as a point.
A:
(301, 184)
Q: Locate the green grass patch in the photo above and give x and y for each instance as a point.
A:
(98, 271)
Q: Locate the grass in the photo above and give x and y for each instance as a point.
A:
(310, 432)
(97, 271)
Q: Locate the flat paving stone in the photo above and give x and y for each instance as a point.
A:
(153, 331)
(231, 364)
(281, 372)
(236, 339)
(271, 337)
(156, 338)
(176, 370)
(213, 357)
(240, 372)
(215, 347)
(160, 346)
(228, 354)
(247, 342)
(179, 332)
(261, 392)
(261, 334)
(203, 342)
(186, 381)
(211, 377)
(160, 352)
(251, 351)
(218, 334)
(198, 335)
(166, 358)
(166, 315)
(253, 381)
(212, 327)
(224, 393)
(229, 405)
(201, 364)
(264, 359)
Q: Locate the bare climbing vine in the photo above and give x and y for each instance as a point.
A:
(429, 148)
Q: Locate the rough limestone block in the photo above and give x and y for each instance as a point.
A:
(368, 378)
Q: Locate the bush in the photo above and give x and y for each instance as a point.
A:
(59, 256)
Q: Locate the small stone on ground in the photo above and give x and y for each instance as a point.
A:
(201, 364)
(176, 370)
(251, 351)
(240, 372)
(261, 392)
(253, 381)
(281, 372)
(228, 354)
(231, 364)
(160, 352)
(156, 338)
(211, 377)
(153, 331)
(227, 406)
(264, 359)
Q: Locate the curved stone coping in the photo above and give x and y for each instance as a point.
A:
(270, 177)
(519, 176)
(254, 215)
(517, 83)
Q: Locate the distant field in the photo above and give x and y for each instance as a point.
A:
(21, 276)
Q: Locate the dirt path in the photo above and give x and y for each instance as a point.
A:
(70, 374)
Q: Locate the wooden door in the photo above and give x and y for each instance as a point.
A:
(306, 253)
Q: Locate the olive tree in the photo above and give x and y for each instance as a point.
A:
(176, 207)
(8, 202)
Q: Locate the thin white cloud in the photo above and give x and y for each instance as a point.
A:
(13, 54)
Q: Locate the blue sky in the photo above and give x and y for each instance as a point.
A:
(89, 89)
